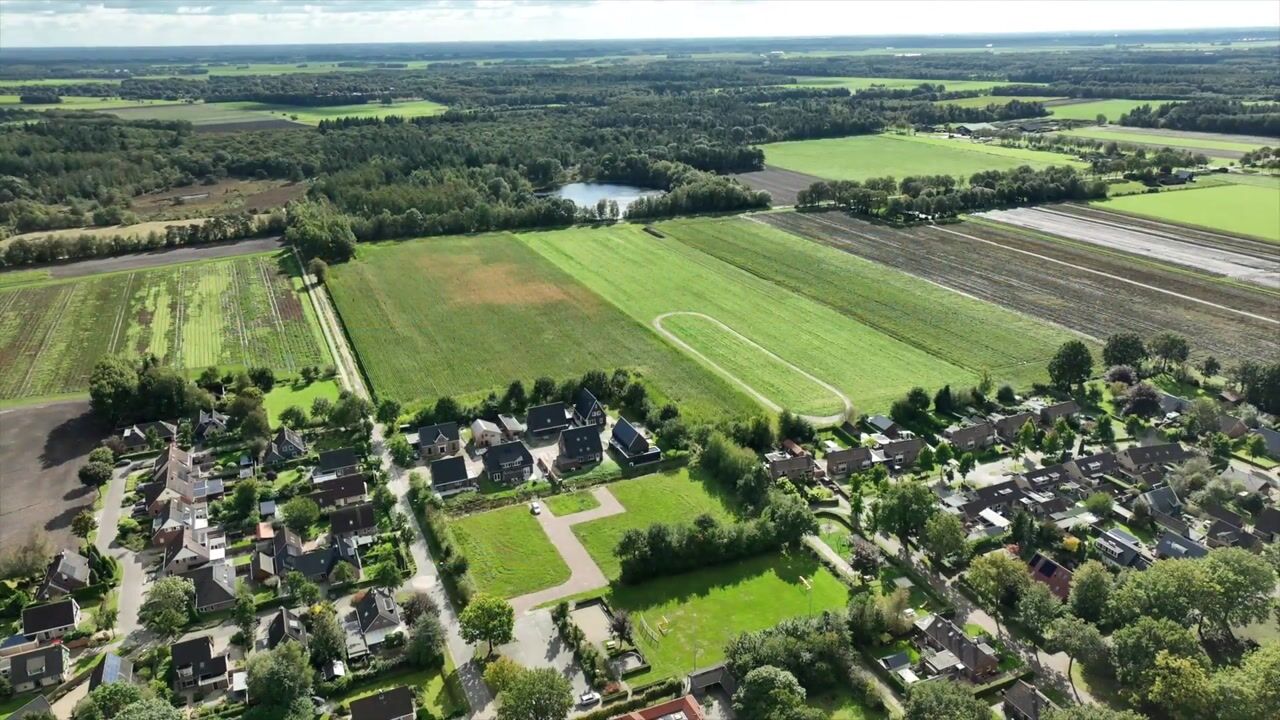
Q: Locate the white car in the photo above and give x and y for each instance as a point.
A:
(535, 508)
(590, 697)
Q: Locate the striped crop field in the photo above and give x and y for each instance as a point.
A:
(247, 311)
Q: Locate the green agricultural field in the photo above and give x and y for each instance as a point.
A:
(508, 552)
(1090, 109)
(966, 332)
(194, 113)
(866, 156)
(1160, 140)
(862, 83)
(461, 316)
(701, 611)
(649, 278)
(286, 394)
(1242, 209)
(982, 101)
(79, 102)
(241, 312)
(313, 115)
(669, 497)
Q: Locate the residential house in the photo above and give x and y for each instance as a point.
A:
(1173, 545)
(209, 425)
(377, 615)
(1046, 479)
(176, 517)
(1139, 460)
(1023, 701)
(1003, 498)
(1270, 439)
(285, 446)
(1251, 482)
(579, 446)
(512, 428)
(286, 552)
(485, 434)
(69, 571)
(285, 625)
(685, 707)
(354, 524)
(1051, 575)
(1223, 533)
(1172, 405)
(193, 549)
(215, 585)
(42, 667)
(902, 453)
(340, 492)
(1092, 468)
(449, 476)
(1162, 500)
(509, 463)
(112, 669)
(394, 704)
(883, 426)
(846, 461)
(976, 436)
(51, 620)
(796, 468)
(1267, 524)
(546, 420)
(1050, 415)
(339, 462)
(977, 660)
(631, 445)
(195, 667)
(587, 410)
(1008, 426)
(1231, 426)
(440, 440)
(1119, 548)
(137, 438)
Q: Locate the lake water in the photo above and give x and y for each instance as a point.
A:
(588, 194)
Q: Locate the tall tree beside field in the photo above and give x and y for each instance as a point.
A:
(1124, 349)
(1170, 349)
(903, 509)
(1071, 365)
(319, 230)
(113, 389)
(944, 537)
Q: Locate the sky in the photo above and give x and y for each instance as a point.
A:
(90, 23)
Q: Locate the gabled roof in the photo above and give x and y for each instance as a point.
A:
(1124, 549)
(377, 610)
(187, 544)
(448, 471)
(50, 616)
(949, 637)
(1271, 438)
(36, 665)
(1028, 700)
(1060, 410)
(1157, 454)
(1094, 466)
(70, 564)
(285, 625)
(505, 454)
(38, 705)
(1268, 521)
(215, 583)
(581, 441)
(1009, 425)
(966, 433)
(480, 425)
(388, 704)
(330, 492)
(545, 418)
(585, 403)
(190, 653)
(1162, 499)
(438, 433)
(286, 436)
(334, 459)
(113, 668)
(881, 423)
(1049, 572)
(629, 437)
(353, 518)
(211, 419)
(1172, 545)
(1225, 515)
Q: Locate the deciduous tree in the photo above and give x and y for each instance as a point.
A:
(943, 699)
(537, 694)
(168, 607)
(904, 508)
(299, 514)
(944, 537)
(1124, 349)
(1079, 639)
(488, 619)
(1071, 365)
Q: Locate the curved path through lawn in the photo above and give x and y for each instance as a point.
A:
(817, 420)
(584, 573)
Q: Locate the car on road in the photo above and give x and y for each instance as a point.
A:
(590, 697)
(535, 508)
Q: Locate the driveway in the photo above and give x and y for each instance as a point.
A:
(584, 573)
(537, 644)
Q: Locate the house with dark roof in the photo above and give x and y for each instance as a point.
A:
(1051, 575)
(138, 437)
(1266, 524)
(42, 667)
(509, 463)
(215, 585)
(67, 572)
(902, 454)
(883, 425)
(975, 436)
(377, 616)
(195, 667)
(1231, 426)
(1139, 460)
(285, 625)
(394, 704)
(189, 552)
(544, 421)
(846, 461)
(51, 620)
(1232, 518)
(340, 491)
(976, 660)
(1050, 415)
(1120, 549)
(1008, 426)
(286, 552)
(113, 668)
(1270, 440)
(1092, 468)
(36, 706)
(796, 468)
(1173, 545)
(1163, 500)
(587, 410)
(579, 446)
(631, 445)
(209, 425)
(1046, 479)
(485, 434)
(354, 521)
(285, 446)
(439, 440)
(339, 462)
(449, 476)
(1023, 701)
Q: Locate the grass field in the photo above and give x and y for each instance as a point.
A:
(141, 229)
(508, 551)
(285, 394)
(1090, 110)
(570, 503)
(1243, 209)
(982, 101)
(866, 156)
(841, 705)
(247, 311)
(194, 113)
(80, 102)
(466, 315)
(438, 687)
(648, 276)
(313, 115)
(961, 330)
(703, 610)
(862, 83)
(1173, 141)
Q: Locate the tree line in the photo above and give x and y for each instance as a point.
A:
(1209, 115)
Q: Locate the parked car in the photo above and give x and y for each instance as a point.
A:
(535, 508)
(590, 697)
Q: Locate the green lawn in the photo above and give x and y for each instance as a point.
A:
(313, 115)
(866, 156)
(194, 113)
(570, 503)
(472, 300)
(508, 551)
(80, 102)
(438, 687)
(1089, 110)
(1243, 209)
(670, 497)
(649, 277)
(862, 83)
(285, 394)
(702, 610)
(963, 331)
(842, 705)
(1173, 141)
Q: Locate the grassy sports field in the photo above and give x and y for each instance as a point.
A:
(247, 311)
(508, 551)
(866, 156)
(964, 331)
(466, 315)
(862, 83)
(1173, 141)
(650, 277)
(668, 497)
(1090, 110)
(1243, 209)
(692, 616)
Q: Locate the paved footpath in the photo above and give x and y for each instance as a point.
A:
(584, 573)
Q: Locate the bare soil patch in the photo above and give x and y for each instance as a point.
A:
(247, 126)
(167, 256)
(225, 195)
(472, 282)
(781, 184)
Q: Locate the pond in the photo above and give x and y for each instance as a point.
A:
(588, 194)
